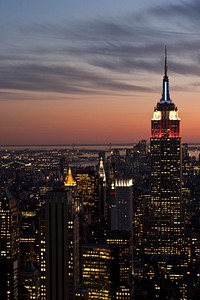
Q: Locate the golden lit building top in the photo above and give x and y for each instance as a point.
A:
(69, 180)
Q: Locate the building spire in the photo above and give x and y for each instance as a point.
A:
(165, 61)
(165, 93)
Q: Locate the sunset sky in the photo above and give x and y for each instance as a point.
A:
(90, 71)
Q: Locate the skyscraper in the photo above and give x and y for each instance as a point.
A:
(102, 200)
(87, 184)
(9, 226)
(9, 246)
(100, 272)
(122, 241)
(87, 190)
(166, 232)
(62, 245)
(122, 210)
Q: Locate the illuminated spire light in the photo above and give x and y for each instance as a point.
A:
(165, 93)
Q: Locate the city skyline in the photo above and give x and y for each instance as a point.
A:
(88, 72)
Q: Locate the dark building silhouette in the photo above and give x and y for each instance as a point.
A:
(62, 245)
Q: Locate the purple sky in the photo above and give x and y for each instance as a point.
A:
(91, 71)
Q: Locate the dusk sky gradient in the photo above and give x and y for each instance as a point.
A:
(88, 71)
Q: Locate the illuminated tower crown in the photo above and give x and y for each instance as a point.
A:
(165, 121)
(69, 181)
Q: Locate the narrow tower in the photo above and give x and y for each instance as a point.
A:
(166, 233)
(102, 200)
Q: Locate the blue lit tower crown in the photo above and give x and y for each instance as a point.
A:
(166, 233)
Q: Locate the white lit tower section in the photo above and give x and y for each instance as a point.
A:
(166, 235)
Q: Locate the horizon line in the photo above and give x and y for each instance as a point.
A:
(83, 144)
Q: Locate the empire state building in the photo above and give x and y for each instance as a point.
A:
(166, 225)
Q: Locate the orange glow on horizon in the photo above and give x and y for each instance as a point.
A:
(92, 119)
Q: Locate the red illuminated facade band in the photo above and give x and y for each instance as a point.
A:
(165, 122)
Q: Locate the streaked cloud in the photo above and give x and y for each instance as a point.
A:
(60, 79)
(96, 56)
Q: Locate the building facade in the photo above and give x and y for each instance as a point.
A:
(122, 209)
(99, 272)
(62, 245)
(9, 246)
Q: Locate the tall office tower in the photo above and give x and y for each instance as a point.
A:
(122, 241)
(9, 226)
(122, 210)
(42, 252)
(28, 237)
(9, 244)
(62, 245)
(100, 274)
(88, 194)
(87, 189)
(167, 231)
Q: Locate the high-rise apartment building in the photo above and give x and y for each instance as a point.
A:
(166, 232)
